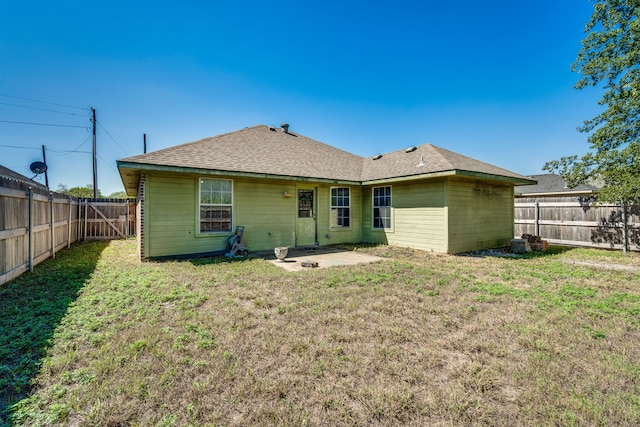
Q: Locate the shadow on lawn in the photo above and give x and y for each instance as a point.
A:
(31, 307)
(505, 252)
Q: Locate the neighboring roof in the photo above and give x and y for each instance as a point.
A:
(271, 152)
(552, 183)
(15, 176)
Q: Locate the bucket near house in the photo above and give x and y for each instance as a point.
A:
(281, 252)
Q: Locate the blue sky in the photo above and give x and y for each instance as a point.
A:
(491, 80)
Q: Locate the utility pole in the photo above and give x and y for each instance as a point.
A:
(95, 162)
(145, 143)
(44, 160)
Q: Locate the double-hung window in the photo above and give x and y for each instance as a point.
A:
(382, 207)
(216, 205)
(340, 207)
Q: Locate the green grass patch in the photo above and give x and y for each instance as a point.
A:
(95, 337)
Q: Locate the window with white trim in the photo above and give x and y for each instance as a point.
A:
(340, 207)
(382, 207)
(216, 205)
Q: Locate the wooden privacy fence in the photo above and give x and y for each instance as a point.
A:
(577, 221)
(36, 223)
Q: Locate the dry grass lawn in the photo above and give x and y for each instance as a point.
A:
(418, 339)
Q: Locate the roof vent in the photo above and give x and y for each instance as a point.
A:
(379, 156)
(410, 149)
(272, 129)
(285, 127)
(422, 163)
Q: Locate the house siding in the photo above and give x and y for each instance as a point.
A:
(269, 218)
(418, 216)
(480, 215)
(332, 236)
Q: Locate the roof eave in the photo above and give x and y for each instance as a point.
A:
(453, 172)
(139, 167)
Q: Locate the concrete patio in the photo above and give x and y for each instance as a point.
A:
(324, 256)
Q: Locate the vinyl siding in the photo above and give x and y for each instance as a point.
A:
(171, 216)
(418, 216)
(331, 236)
(269, 218)
(481, 215)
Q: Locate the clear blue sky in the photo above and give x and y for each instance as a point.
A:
(491, 80)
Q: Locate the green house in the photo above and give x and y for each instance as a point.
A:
(290, 190)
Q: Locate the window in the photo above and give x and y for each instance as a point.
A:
(340, 207)
(382, 207)
(305, 203)
(216, 203)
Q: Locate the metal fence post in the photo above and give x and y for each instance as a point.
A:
(53, 226)
(69, 225)
(30, 228)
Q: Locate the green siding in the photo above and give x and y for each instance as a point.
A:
(169, 214)
(418, 216)
(330, 236)
(269, 218)
(445, 215)
(481, 215)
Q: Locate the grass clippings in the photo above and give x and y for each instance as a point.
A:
(419, 339)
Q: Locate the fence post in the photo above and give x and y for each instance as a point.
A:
(86, 202)
(53, 226)
(126, 204)
(69, 225)
(30, 228)
(537, 218)
(79, 221)
(625, 240)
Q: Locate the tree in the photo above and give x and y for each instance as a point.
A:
(118, 195)
(610, 56)
(85, 192)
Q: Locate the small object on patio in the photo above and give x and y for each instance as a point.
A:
(281, 252)
(520, 246)
(536, 243)
(235, 244)
(311, 264)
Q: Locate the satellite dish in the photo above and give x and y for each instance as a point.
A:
(38, 167)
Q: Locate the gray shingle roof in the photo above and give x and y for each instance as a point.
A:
(260, 149)
(8, 173)
(550, 183)
(268, 150)
(425, 159)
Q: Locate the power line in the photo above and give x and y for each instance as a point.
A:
(75, 150)
(61, 152)
(17, 146)
(43, 102)
(107, 163)
(43, 124)
(114, 140)
(40, 109)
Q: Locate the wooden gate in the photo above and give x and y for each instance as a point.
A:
(104, 219)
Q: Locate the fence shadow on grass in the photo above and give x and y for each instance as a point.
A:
(31, 308)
